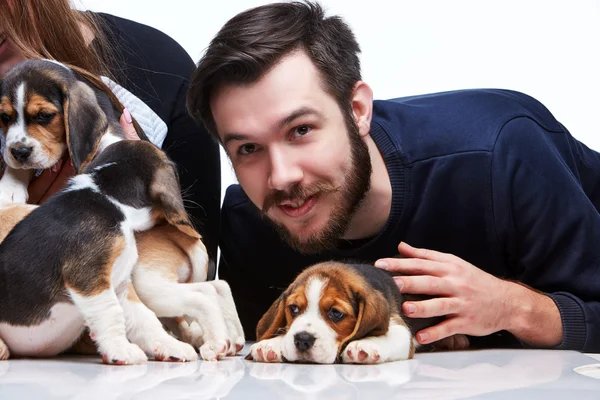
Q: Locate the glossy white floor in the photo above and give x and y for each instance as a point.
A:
(490, 374)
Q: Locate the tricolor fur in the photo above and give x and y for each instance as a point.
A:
(337, 312)
(46, 110)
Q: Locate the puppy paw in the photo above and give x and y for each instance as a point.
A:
(269, 350)
(362, 352)
(171, 349)
(4, 353)
(213, 350)
(454, 342)
(238, 345)
(124, 354)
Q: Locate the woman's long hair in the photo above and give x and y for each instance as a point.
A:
(52, 29)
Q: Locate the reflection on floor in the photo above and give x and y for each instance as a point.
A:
(514, 374)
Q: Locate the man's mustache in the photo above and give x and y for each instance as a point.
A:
(296, 192)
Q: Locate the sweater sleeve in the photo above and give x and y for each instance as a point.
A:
(544, 185)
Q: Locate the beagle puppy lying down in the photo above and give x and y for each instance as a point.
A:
(338, 312)
(46, 110)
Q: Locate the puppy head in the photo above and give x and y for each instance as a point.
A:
(138, 174)
(44, 107)
(326, 307)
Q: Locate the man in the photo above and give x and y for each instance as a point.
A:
(500, 200)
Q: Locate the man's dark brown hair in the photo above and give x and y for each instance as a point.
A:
(252, 42)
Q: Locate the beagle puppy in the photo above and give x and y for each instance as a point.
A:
(67, 264)
(48, 110)
(339, 312)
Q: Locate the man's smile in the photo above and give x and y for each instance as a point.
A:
(297, 208)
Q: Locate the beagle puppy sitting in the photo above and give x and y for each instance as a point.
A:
(47, 110)
(67, 264)
(339, 312)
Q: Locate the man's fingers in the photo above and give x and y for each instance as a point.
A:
(412, 266)
(444, 329)
(437, 307)
(412, 252)
(127, 124)
(424, 284)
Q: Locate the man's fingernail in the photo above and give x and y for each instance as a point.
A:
(411, 309)
(423, 337)
(127, 116)
(399, 283)
(382, 264)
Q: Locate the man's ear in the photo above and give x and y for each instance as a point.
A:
(166, 194)
(362, 107)
(373, 317)
(85, 123)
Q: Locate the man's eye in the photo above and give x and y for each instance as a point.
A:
(294, 309)
(301, 130)
(335, 315)
(247, 148)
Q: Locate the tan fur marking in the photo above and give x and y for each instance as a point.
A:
(52, 135)
(91, 283)
(162, 249)
(132, 294)
(333, 297)
(6, 107)
(10, 217)
(38, 103)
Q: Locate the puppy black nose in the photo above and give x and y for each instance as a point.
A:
(21, 154)
(303, 341)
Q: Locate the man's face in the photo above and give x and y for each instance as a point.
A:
(295, 154)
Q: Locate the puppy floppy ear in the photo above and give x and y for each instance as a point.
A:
(165, 192)
(85, 123)
(373, 318)
(273, 322)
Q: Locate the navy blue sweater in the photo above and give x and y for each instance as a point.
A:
(487, 175)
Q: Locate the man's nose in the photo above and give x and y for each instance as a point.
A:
(285, 170)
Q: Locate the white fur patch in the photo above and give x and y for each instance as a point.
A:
(199, 261)
(99, 167)
(81, 182)
(16, 132)
(104, 317)
(13, 185)
(107, 139)
(51, 337)
(394, 345)
(145, 330)
(136, 219)
(324, 349)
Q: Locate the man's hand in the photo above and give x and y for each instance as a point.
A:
(55, 178)
(473, 301)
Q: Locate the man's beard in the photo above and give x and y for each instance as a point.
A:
(356, 184)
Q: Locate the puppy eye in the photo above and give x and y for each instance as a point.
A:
(5, 118)
(294, 309)
(44, 116)
(335, 315)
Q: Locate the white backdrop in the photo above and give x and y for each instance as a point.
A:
(546, 48)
